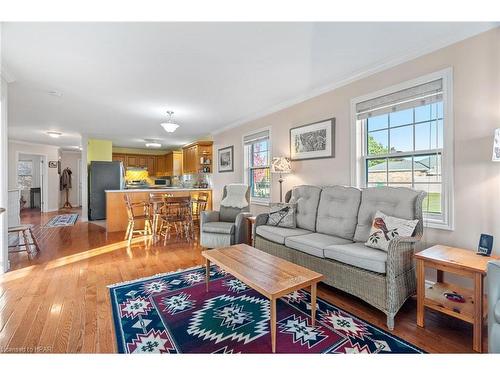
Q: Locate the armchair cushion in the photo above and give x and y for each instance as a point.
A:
(209, 216)
(314, 243)
(358, 255)
(278, 234)
(218, 227)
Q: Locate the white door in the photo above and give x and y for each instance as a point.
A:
(42, 179)
(79, 185)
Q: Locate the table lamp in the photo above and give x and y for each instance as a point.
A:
(281, 165)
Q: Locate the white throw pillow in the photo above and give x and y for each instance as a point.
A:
(282, 215)
(385, 228)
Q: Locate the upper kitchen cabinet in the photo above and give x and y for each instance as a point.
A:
(169, 164)
(173, 163)
(197, 157)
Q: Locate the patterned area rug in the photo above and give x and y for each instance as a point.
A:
(62, 220)
(173, 313)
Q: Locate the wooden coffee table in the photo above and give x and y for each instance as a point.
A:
(271, 276)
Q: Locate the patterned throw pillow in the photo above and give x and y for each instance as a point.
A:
(385, 228)
(282, 215)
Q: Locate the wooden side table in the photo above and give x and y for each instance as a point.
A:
(460, 262)
(250, 223)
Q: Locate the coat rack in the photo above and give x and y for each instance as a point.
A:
(65, 184)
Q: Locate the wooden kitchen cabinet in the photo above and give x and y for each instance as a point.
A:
(173, 163)
(192, 154)
(169, 164)
(120, 157)
(161, 165)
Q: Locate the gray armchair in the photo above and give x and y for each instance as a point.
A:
(224, 227)
(494, 307)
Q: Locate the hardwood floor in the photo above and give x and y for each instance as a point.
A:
(59, 301)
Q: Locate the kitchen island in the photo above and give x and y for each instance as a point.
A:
(116, 212)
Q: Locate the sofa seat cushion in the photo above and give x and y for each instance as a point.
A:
(279, 234)
(358, 255)
(314, 243)
(219, 227)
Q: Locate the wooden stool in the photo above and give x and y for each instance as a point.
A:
(25, 231)
(133, 217)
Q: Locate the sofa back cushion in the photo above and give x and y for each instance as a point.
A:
(307, 199)
(338, 211)
(399, 202)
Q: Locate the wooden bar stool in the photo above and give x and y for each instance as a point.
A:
(27, 234)
(199, 205)
(176, 215)
(133, 218)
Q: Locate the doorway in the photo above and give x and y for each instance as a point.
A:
(31, 175)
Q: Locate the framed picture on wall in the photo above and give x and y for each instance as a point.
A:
(226, 159)
(313, 141)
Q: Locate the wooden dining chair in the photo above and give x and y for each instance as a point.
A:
(133, 218)
(176, 216)
(198, 206)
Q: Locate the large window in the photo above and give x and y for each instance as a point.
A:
(257, 166)
(25, 174)
(403, 143)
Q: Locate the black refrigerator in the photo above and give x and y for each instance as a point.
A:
(103, 175)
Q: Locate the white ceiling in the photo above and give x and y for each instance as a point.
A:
(118, 79)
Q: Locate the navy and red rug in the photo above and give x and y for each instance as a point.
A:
(173, 313)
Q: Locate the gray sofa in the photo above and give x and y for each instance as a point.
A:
(224, 227)
(333, 223)
(494, 307)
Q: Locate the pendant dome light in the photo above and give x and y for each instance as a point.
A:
(169, 126)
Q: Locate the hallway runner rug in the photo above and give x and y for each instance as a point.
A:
(173, 313)
(62, 220)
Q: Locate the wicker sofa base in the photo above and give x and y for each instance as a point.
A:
(370, 286)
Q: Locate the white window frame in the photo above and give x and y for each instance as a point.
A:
(358, 144)
(246, 168)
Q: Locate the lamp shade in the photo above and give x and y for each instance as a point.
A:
(281, 164)
(496, 146)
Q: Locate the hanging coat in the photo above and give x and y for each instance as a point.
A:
(65, 180)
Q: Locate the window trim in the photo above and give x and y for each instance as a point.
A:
(24, 175)
(358, 144)
(257, 201)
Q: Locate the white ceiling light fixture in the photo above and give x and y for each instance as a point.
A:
(54, 134)
(55, 93)
(169, 126)
(151, 143)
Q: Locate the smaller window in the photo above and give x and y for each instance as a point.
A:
(25, 174)
(257, 166)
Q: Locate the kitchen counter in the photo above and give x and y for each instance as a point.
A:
(116, 212)
(156, 189)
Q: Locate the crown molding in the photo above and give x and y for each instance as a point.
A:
(32, 143)
(383, 65)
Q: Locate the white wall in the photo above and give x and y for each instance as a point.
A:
(476, 100)
(52, 152)
(69, 159)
